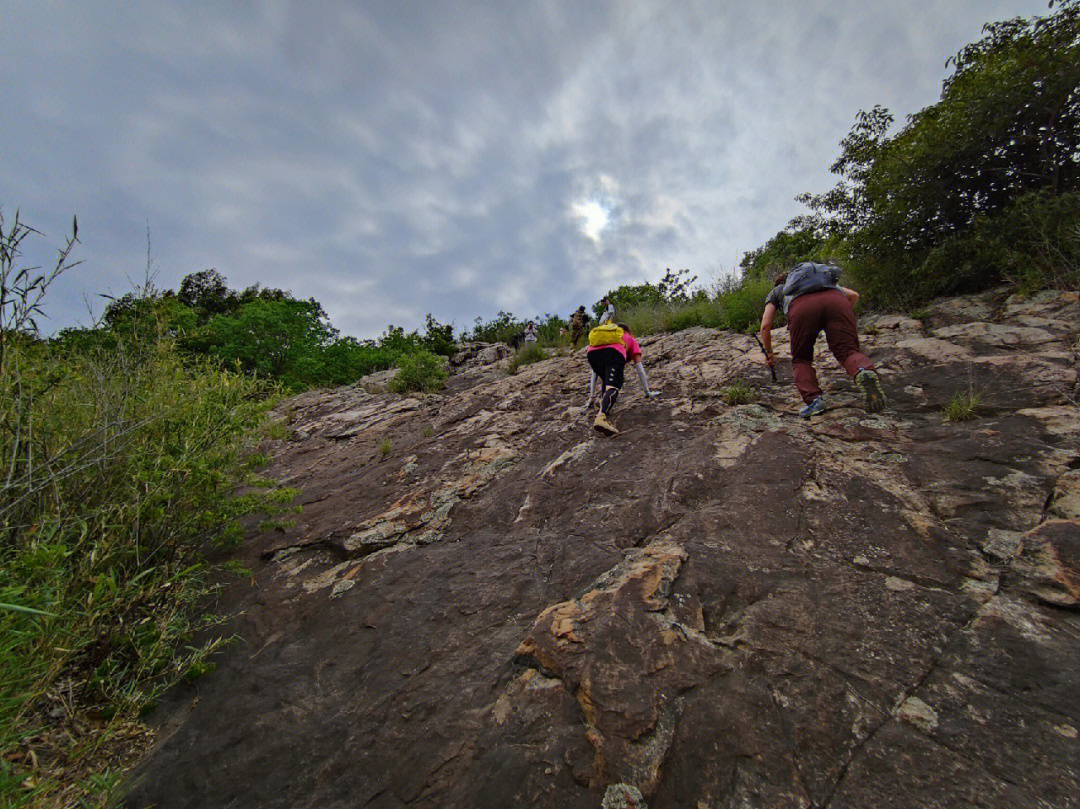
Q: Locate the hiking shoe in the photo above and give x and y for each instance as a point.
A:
(604, 425)
(815, 408)
(652, 394)
(870, 387)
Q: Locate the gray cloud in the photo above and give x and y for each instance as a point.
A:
(394, 159)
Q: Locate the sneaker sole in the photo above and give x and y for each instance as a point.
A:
(873, 394)
(605, 430)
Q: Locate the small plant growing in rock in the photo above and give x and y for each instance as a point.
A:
(420, 371)
(526, 355)
(427, 430)
(737, 393)
(256, 460)
(963, 406)
(278, 431)
(266, 526)
(198, 669)
(919, 314)
(236, 567)
(385, 446)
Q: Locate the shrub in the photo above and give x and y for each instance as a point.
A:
(130, 468)
(743, 304)
(135, 461)
(526, 355)
(421, 371)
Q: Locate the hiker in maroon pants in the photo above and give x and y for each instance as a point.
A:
(814, 301)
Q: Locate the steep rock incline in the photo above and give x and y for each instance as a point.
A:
(486, 604)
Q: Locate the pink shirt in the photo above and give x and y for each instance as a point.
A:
(629, 347)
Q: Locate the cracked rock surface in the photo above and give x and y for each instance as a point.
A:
(484, 603)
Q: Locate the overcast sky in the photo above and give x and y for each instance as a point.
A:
(396, 158)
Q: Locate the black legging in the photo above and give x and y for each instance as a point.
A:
(608, 364)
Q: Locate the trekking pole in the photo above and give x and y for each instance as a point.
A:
(766, 353)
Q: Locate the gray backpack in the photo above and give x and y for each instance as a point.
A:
(809, 277)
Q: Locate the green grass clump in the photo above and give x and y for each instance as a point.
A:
(386, 446)
(700, 312)
(421, 371)
(645, 319)
(737, 393)
(736, 306)
(526, 355)
(963, 406)
(278, 431)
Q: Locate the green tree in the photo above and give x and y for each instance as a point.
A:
(208, 294)
(500, 328)
(782, 252)
(283, 339)
(1007, 126)
(438, 337)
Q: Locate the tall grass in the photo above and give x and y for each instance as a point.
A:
(736, 306)
(117, 466)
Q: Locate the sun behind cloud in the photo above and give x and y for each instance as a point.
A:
(592, 217)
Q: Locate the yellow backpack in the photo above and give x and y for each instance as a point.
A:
(606, 335)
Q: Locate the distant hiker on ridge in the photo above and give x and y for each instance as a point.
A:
(609, 311)
(579, 322)
(610, 344)
(531, 335)
(812, 298)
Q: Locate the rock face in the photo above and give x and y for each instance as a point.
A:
(486, 604)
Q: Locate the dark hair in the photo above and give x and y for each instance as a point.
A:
(624, 327)
(781, 278)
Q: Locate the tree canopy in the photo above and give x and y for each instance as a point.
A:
(981, 185)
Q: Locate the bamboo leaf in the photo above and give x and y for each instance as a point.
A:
(28, 610)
